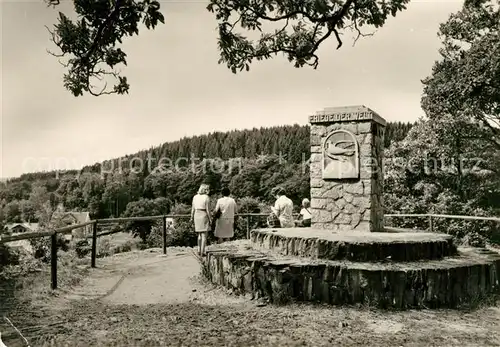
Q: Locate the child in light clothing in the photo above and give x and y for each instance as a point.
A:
(305, 214)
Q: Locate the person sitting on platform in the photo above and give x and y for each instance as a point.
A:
(305, 214)
(273, 221)
(283, 208)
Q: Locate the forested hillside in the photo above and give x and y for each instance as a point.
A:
(251, 162)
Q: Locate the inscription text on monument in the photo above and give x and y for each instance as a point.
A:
(340, 117)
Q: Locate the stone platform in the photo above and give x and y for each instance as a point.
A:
(354, 246)
(385, 270)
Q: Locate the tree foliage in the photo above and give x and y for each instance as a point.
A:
(462, 100)
(303, 26)
(466, 81)
(442, 167)
(145, 207)
(90, 43)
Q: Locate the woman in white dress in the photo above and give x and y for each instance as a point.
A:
(226, 211)
(200, 215)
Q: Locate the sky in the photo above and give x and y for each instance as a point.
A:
(178, 89)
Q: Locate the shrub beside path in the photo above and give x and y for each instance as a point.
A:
(143, 298)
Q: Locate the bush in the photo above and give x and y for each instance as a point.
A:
(145, 207)
(16, 262)
(83, 248)
(42, 246)
(8, 255)
(182, 234)
(103, 247)
(249, 205)
(155, 237)
(106, 247)
(473, 233)
(125, 247)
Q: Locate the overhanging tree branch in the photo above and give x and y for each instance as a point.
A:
(301, 44)
(92, 40)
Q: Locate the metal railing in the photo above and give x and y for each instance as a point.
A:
(95, 235)
(431, 218)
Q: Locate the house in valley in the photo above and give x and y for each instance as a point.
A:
(63, 218)
(18, 228)
(14, 229)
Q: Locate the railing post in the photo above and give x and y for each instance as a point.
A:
(94, 244)
(431, 227)
(248, 226)
(164, 235)
(53, 260)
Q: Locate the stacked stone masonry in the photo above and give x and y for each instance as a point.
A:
(359, 246)
(349, 204)
(452, 282)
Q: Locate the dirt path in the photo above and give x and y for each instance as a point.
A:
(140, 278)
(165, 281)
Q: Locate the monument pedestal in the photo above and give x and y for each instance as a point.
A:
(343, 270)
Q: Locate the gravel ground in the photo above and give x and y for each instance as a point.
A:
(87, 315)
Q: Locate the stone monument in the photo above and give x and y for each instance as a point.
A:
(347, 256)
(346, 169)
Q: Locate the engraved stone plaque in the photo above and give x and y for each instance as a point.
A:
(340, 155)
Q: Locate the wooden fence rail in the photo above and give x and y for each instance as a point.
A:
(68, 229)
